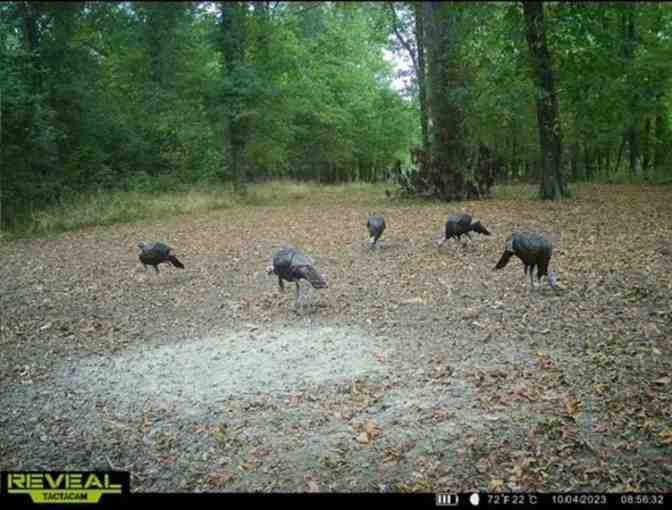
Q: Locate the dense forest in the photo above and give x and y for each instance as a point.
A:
(163, 96)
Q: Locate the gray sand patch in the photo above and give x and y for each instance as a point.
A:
(239, 364)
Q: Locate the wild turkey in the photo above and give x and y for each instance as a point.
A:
(534, 250)
(460, 225)
(376, 226)
(291, 264)
(153, 254)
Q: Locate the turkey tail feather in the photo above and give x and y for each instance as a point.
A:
(504, 260)
(480, 229)
(175, 262)
(315, 278)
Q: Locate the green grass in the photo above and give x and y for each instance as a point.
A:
(288, 192)
(515, 191)
(654, 178)
(107, 208)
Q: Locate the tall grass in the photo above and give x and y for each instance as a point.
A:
(110, 207)
(106, 208)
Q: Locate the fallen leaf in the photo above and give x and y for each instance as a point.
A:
(372, 429)
(363, 438)
(666, 437)
(168, 460)
(470, 313)
(568, 431)
(572, 405)
(600, 427)
(392, 456)
(219, 479)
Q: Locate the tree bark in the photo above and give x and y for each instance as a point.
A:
(587, 163)
(629, 39)
(646, 147)
(575, 162)
(662, 139)
(620, 154)
(233, 40)
(448, 151)
(421, 74)
(548, 116)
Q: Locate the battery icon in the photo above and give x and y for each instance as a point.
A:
(447, 499)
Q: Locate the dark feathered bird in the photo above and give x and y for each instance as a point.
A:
(292, 265)
(376, 226)
(534, 250)
(460, 225)
(153, 254)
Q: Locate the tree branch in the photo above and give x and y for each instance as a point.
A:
(400, 37)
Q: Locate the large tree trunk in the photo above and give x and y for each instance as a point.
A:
(233, 46)
(448, 150)
(421, 74)
(548, 116)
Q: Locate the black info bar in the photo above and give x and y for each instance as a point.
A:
(557, 500)
(472, 500)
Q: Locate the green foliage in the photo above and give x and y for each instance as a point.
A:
(135, 97)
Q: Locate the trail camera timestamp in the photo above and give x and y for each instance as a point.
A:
(642, 499)
(512, 499)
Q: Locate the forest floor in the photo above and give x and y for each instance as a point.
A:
(416, 370)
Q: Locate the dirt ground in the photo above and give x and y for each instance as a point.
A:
(416, 370)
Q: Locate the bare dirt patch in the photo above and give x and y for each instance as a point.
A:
(417, 370)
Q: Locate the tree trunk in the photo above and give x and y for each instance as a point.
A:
(233, 40)
(620, 155)
(448, 151)
(575, 162)
(32, 44)
(632, 133)
(663, 139)
(421, 74)
(633, 146)
(646, 148)
(548, 116)
(587, 164)
(513, 166)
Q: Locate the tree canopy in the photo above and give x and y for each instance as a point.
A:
(152, 96)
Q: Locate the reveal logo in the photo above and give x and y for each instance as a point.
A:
(65, 487)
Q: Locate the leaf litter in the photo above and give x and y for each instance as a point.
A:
(416, 368)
